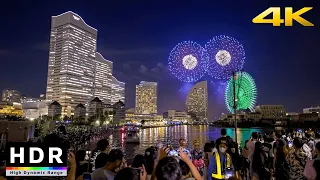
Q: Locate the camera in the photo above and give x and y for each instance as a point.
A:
(173, 153)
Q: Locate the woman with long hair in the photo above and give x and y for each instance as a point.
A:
(280, 164)
(258, 168)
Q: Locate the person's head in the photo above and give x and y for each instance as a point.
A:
(168, 168)
(101, 160)
(115, 159)
(223, 146)
(196, 144)
(297, 143)
(138, 161)
(278, 135)
(308, 136)
(223, 132)
(103, 145)
(80, 155)
(149, 153)
(185, 170)
(213, 144)
(254, 136)
(127, 174)
(208, 147)
(183, 142)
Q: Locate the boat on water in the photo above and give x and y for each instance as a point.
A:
(132, 136)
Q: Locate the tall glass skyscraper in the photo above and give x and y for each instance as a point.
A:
(76, 72)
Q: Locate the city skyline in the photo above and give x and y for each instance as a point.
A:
(276, 57)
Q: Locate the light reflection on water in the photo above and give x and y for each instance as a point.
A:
(172, 134)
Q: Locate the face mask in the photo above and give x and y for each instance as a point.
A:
(223, 150)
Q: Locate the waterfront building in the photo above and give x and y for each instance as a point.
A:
(79, 112)
(95, 107)
(54, 110)
(34, 108)
(313, 109)
(11, 96)
(308, 117)
(143, 119)
(71, 67)
(117, 91)
(103, 79)
(108, 112)
(119, 114)
(76, 71)
(146, 98)
(177, 116)
(275, 112)
(11, 109)
(197, 101)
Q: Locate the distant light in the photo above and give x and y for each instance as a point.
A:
(97, 122)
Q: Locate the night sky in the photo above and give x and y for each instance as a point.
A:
(139, 35)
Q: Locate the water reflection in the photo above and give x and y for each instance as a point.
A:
(172, 134)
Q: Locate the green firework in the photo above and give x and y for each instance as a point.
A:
(246, 92)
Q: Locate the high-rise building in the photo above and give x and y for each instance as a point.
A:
(71, 67)
(77, 72)
(117, 91)
(11, 96)
(197, 101)
(103, 79)
(146, 98)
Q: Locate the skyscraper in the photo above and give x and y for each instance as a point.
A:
(146, 98)
(117, 91)
(71, 68)
(103, 79)
(197, 101)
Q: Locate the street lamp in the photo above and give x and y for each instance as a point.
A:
(235, 77)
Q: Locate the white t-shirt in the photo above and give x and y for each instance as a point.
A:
(102, 174)
(250, 145)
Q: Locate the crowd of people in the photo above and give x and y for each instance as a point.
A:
(278, 155)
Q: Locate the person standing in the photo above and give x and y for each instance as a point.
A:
(297, 160)
(220, 163)
(183, 147)
(197, 157)
(231, 148)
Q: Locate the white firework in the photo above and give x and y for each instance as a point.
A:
(223, 57)
(189, 62)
